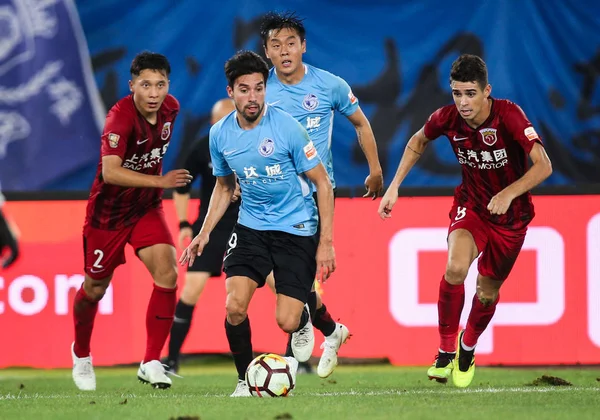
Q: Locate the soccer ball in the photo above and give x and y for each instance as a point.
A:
(269, 375)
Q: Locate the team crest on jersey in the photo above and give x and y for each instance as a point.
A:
(266, 147)
(113, 140)
(489, 136)
(310, 102)
(166, 131)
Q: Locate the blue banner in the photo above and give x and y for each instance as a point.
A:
(50, 111)
(542, 54)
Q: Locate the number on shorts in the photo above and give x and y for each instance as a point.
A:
(461, 212)
(100, 255)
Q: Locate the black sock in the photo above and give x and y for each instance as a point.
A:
(240, 344)
(180, 329)
(312, 304)
(303, 320)
(323, 321)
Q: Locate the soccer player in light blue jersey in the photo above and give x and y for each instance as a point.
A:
(277, 166)
(312, 96)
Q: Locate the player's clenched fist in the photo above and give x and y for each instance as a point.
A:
(176, 178)
(500, 203)
(387, 203)
(374, 185)
(194, 249)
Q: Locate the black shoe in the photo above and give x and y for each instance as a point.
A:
(443, 359)
(465, 357)
(305, 368)
(172, 365)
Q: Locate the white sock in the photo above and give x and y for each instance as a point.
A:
(447, 352)
(467, 348)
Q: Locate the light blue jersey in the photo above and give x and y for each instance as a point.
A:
(270, 161)
(312, 102)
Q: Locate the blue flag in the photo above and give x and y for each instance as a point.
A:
(51, 115)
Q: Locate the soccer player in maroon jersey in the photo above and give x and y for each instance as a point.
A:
(492, 140)
(125, 206)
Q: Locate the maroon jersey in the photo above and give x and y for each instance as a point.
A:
(492, 156)
(141, 145)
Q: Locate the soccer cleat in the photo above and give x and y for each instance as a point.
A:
(442, 368)
(463, 375)
(172, 366)
(305, 368)
(154, 373)
(241, 390)
(294, 368)
(331, 346)
(303, 341)
(83, 372)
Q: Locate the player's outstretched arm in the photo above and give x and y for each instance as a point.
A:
(181, 201)
(366, 139)
(412, 152)
(539, 171)
(219, 201)
(325, 253)
(113, 173)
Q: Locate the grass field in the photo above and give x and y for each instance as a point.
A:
(352, 392)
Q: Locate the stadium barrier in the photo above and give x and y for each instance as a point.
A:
(385, 289)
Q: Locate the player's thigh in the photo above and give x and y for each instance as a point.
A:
(288, 312)
(500, 255)
(195, 281)
(295, 265)
(151, 229)
(153, 244)
(160, 260)
(103, 250)
(271, 282)
(248, 255)
(466, 238)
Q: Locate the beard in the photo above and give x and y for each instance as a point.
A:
(251, 118)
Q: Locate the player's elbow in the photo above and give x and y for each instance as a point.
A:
(324, 184)
(546, 167)
(108, 175)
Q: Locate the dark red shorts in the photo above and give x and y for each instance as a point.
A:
(104, 250)
(498, 246)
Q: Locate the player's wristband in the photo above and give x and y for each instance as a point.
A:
(184, 224)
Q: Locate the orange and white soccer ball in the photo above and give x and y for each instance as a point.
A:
(269, 375)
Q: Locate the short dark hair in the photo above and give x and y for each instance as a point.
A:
(149, 60)
(469, 68)
(245, 62)
(273, 21)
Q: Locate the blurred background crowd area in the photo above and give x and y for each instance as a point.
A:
(64, 63)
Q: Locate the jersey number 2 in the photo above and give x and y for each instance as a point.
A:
(100, 255)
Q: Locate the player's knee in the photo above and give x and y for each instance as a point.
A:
(95, 289)
(288, 323)
(236, 310)
(487, 297)
(190, 294)
(166, 276)
(456, 273)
